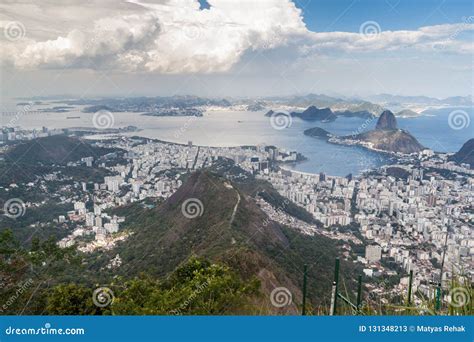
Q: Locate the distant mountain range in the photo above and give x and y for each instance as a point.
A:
(422, 100)
(147, 104)
(371, 106)
(312, 113)
(339, 105)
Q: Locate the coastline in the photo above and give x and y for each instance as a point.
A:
(280, 164)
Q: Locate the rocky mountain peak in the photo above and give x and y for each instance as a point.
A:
(386, 120)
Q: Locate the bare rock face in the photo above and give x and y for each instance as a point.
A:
(386, 121)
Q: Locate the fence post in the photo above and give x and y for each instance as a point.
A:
(305, 274)
(438, 297)
(409, 287)
(334, 289)
(359, 292)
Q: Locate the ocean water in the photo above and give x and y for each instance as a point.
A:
(235, 128)
(443, 130)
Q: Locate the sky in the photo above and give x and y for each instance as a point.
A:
(221, 48)
(347, 15)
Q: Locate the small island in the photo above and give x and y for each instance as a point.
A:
(57, 109)
(318, 132)
(311, 114)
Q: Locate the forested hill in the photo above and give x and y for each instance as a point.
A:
(228, 227)
(56, 149)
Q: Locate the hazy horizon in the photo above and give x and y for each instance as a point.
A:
(235, 97)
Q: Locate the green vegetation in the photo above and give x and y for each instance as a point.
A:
(71, 299)
(45, 279)
(56, 149)
(26, 161)
(28, 226)
(28, 273)
(198, 287)
(20, 173)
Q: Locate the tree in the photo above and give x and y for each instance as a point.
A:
(71, 299)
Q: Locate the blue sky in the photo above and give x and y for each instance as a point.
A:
(347, 15)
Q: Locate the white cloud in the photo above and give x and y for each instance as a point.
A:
(424, 39)
(109, 38)
(175, 36)
(171, 37)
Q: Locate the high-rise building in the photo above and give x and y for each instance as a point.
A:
(98, 221)
(373, 253)
(431, 200)
(322, 177)
(97, 210)
(90, 219)
(111, 227)
(79, 205)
